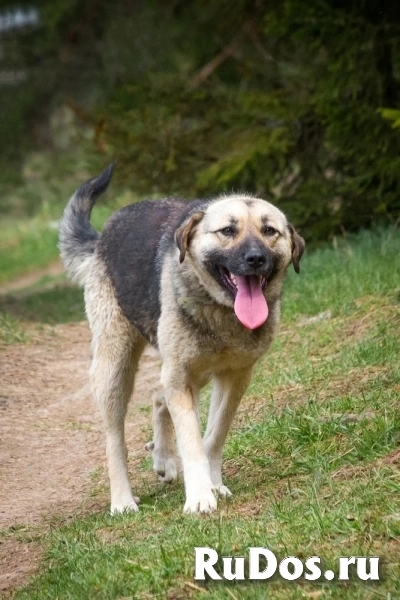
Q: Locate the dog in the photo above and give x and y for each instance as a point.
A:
(201, 282)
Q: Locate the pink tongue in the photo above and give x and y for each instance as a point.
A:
(250, 305)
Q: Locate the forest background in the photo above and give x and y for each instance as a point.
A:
(297, 100)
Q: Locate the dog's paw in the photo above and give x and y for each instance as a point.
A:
(202, 503)
(165, 467)
(119, 509)
(223, 491)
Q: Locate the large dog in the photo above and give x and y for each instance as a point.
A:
(200, 281)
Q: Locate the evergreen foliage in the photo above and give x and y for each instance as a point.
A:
(297, 100)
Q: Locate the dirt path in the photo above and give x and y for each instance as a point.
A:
(51, 439)
(24, 281)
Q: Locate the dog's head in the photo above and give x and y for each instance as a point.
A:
(238, 246)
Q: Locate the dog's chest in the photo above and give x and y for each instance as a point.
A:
(226, 359)
(227, 345)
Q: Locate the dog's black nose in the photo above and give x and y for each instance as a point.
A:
(255, 259)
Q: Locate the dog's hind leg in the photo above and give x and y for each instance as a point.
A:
(227, 393)
(112, 374)
(163, 444)
(116, 350)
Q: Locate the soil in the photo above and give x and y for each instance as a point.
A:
(52, 451)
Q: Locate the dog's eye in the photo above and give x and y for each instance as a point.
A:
(228, 231)
(269, 230)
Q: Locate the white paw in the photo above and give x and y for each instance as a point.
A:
(164, 464)
(223, 491)
(168, 471)
(117, 509)
(201, 503)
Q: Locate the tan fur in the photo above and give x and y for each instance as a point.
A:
(225, 353)
(116, 351)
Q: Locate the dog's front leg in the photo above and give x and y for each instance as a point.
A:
(228, 389)
(181, 402)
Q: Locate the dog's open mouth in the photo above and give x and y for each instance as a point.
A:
(231, 281)
(250, 304)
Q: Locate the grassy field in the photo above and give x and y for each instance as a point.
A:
(312, 461)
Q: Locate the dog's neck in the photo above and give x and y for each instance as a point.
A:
(218, 322)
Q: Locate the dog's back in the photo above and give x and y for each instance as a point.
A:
(129, 247)
(132, 247)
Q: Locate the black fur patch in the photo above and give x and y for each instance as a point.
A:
(87, 194)
(234, 259)
(77, 237)
(132, 246)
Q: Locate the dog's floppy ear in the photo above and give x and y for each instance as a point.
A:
(185, 232)
(298, 245)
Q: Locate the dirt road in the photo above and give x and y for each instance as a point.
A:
(51, 439)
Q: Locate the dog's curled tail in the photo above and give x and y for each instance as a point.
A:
(77, 237)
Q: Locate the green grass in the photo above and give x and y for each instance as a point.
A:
(28, 244)
(25, 246)
(313, 458)
(11, 330)
(61, 303)
(334, 278)
(31, 244)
